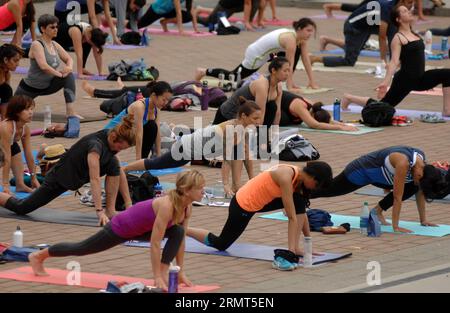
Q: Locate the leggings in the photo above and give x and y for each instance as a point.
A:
(151, 16)
(6, 93)
(245, 72)
(106, 239)
(238, 220)
(114, 93)
(402, 85)
(445, 32)
(149, 137)
(67, 83)
(342, 186)
(212, 18)
(41, 196)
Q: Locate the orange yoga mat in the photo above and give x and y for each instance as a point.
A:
(88, 280)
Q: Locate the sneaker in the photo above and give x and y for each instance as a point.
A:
(394, 121)
(283, 265)
(86, 199)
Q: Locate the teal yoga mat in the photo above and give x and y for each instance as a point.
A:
(376, 54)
(361, 131)
(378, 192)
(441, 231)
(23, 195)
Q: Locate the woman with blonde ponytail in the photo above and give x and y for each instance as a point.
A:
(85, 162)
(152, 220)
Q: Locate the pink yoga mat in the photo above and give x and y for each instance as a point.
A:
(234, 19)
(190, 33)
(122, 47)
(432, 92)
(36, 132)
(325, 17)
(88, 280)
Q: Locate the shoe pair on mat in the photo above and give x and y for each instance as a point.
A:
(431, 118)
(282, 264)
(87, 199)
(401, 121)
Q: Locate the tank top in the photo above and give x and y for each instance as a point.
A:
(119, 117)
(286, 100)
(412, 58)
(261, 190)
(164, 6)
(37, 78)
(7, 18)
(264, 46)
(202, 140)
(136, 220)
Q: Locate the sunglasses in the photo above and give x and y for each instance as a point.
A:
(53, 27)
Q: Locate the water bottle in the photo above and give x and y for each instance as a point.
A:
(337, 110)
(18, 238)
(428, 42)
(307, 254)
(139, 95)
(444, 44)
(157, 191)
(204, 99)
(238, 77)
(233, 82)
(364, 219)
(173, 278)
(47, 116)
(145, 38)
(221, 80)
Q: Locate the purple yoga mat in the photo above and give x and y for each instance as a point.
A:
(21, 70)
(36, 132)
(122, 47)
(190, 33)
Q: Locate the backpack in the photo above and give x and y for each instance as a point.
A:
(141, 189)
(374, 225)
(132, 71)
(118, 104)
(178, 104)
(296, 148)
(318, 218)
(377, 113)
(230, 30)
(16, 254)
(131, 38)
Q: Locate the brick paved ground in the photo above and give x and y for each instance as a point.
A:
(176, 58)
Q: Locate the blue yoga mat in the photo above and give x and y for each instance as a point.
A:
(161, 172)
(23, 195)
(35, 153)
(441, 231)
(373, 53)
(378, 192)
(241, 250)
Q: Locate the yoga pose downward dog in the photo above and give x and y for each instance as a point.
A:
(292, 41)
(146, 120)
(408, 52)
(13, 129)
(283, 186)
(198, 146)
(297, 110)
(50, 66)
(401, 169)
(151, 220)
(18, 15)
(10, 56)
(92, 157)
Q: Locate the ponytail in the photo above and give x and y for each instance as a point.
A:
(125, 131)
(159, 87)
(319, 114)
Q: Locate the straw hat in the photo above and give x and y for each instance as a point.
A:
(53, 153)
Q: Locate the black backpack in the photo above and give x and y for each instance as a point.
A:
(377, 113)
(131, 38)
(141, 189)
(298, 149)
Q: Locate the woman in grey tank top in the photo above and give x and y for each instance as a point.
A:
(50, 66)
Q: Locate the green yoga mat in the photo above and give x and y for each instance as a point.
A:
(419, 230)
(378, 192)
(361, 131)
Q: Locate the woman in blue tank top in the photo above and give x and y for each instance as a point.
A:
(400, 169)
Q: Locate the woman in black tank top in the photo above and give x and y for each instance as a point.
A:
(296, 110)
(408, 51)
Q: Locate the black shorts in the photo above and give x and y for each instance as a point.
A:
(15, 149)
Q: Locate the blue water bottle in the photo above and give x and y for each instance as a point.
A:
(337, 110)
(173, 278)
(157, 191)
(444, 44)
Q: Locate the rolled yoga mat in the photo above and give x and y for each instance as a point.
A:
(241, 250)
(441, 231)
(61, 118)
(87, 280)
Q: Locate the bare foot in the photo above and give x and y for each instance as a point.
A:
(88, 88)
(23, 188)
(164, 25)
(37, 264)
(323, 42)
(381, 217)
(120, 83)
(199, 73)
(345, 102)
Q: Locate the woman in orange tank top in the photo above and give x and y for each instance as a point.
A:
(283, 186)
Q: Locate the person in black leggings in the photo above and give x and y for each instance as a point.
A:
(401, 170)
(149, 220)
(346, 7)
(445, 32)
(407, 50)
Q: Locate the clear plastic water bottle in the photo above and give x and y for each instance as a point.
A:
(139, 95)
(47, 116)
(307, 254)
(337, 109)
(18, 238)
(221, 80)
(173, 278)
(429, 42)
(238, 77)
(157, 191)
(364, 219)
(231, 78)
(444, 44)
